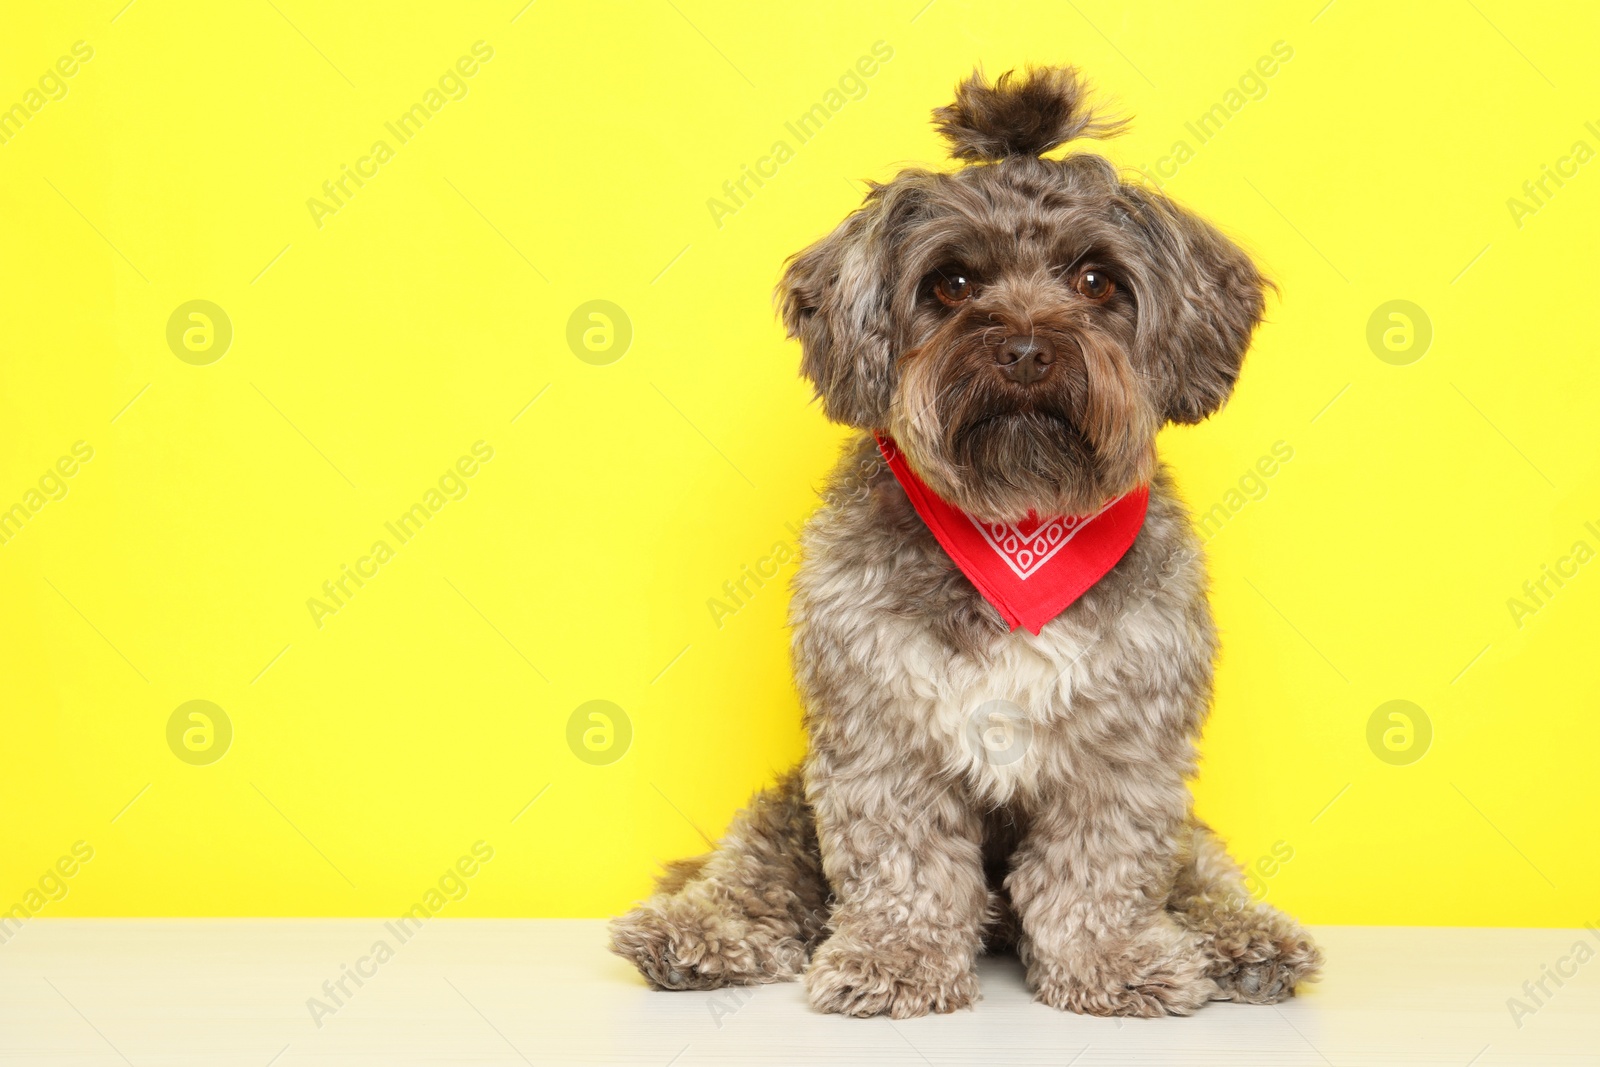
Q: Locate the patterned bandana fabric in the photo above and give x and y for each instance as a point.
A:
(1032, 570)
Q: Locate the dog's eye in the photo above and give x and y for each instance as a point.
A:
(954, 287)
(1094, 285)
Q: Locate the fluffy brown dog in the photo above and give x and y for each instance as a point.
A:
(1022, 327)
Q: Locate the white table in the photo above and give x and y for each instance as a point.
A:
(509, 992)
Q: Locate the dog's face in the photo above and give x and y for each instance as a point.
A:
(1023, 326)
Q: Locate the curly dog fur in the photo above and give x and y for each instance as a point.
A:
(1023, 326)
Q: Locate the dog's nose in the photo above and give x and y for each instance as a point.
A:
(1024, 360)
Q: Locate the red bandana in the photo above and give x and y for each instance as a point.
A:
(1033, 570)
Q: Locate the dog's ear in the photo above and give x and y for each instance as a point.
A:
(1200, 299)
(835, 300)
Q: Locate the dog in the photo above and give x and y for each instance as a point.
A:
(983, 774)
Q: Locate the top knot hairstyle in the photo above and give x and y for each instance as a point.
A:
(1024, 115)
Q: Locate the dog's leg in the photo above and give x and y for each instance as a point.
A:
(1257, 954)
(1090, 884)
(904, 855)
(746, 914)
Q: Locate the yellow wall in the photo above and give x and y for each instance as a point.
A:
(375, 345)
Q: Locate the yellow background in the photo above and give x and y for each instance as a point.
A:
(369, 353)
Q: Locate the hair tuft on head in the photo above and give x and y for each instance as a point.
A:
(1020, 115)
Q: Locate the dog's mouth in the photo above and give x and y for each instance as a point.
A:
(1028, 420)
(1031, 439)
(1008, 457)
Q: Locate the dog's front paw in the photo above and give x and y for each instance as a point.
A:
(1262, 959)
(897, 981)
(681, 943)
(1161, 972)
